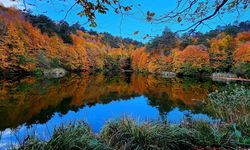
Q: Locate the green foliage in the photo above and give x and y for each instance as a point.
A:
(220, 135)
(116, 42)
(163, 43)
(43, 60)
(126, 133)
(188, 70)
(38, 72)
(112, 41)
(230, 97)
(111, 64)
(187, 41)
(64, 30)
(203, 38)
(71, 137)
(232, 104)
(46, 25)
(23, 59)
(55, 62)
(242, 69)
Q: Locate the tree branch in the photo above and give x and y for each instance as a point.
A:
(195, 25)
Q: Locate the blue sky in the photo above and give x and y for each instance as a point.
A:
(125, 26)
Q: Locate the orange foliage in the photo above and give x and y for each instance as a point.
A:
(243, 37)
(25, 47)
(193, 55)
(242, 53)
(25, 43)
(221, 49)
(153, 63)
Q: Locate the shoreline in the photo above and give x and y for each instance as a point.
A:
(231, 79)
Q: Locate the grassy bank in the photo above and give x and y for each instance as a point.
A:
(129, 134)
(232, 104)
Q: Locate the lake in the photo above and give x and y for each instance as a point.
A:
(35, 105)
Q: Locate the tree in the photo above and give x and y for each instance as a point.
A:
(194, 59)
(44, 23)
(163, 43)
(221, 52)
(64, 31)
(197, 12)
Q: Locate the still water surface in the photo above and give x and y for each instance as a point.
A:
(35, 106)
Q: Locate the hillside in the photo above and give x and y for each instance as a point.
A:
(27, 48)
(32, 44)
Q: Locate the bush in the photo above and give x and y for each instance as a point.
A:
(232, 105)
(23, 60)
(111, 64)
(188, 70)
(55, 63)
(242, 69)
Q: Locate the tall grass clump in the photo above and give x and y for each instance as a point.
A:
(128, 134)
(232, 105)
(216, 135)
(71, 137)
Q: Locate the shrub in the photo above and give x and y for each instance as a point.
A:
(55, 62)
(111, 64)
(232, 104)
(22, 60)
(242, 69)
(189, 70)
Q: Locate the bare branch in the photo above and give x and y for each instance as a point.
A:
(195, 25)
(69, 10)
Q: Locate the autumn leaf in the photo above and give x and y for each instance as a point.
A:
(179, 19)
(150, 15)
(136, 32)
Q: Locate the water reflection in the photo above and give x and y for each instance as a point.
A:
(31, 100)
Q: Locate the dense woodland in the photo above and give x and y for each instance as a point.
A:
(31, 43)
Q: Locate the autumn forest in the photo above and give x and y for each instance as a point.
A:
(30, 44)
(69, 85)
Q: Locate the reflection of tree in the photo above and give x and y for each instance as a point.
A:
(162, 102)
(45, 114)
(36, 100)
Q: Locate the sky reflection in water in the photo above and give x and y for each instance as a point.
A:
(95, 100)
